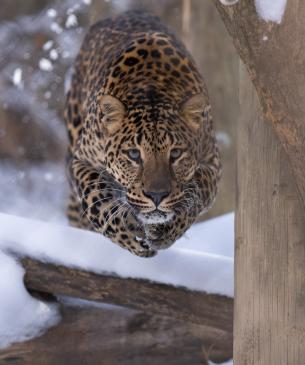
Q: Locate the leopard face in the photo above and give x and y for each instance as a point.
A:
(156, 159)
(143, 158)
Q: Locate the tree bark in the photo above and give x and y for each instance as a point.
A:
(274, 56)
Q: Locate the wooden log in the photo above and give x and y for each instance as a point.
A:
(211, 310)
(162, 332)
(114, 336)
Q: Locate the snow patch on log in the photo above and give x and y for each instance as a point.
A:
(271, 10)
(83, 303)
(228, 2)
(21, 316)
(180, 265)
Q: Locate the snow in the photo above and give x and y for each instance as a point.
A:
(76, 7)
(17, 77)
(71, 21)
(83, 303)
(205, 252)
(202, 270)
(215, 236)
(271, 10)
(68, 79)
(53, 54)
(223, 363)
(200, 261)
(48, 45)
(52, 13)
(228, 2)
(65, 54)
(38, 192)
(21, 316)
(56, 28)
(45, 64)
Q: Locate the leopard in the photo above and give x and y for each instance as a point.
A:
(143, 161)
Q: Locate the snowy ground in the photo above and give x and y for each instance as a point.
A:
(21, 316)
(35, 192)
(202, 261)
(202, 269)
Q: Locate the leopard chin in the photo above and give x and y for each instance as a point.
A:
(155, 217)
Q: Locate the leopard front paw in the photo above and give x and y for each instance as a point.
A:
(144, 252)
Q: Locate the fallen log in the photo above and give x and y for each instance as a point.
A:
(211, 310)
(89, 335)
(173, 323)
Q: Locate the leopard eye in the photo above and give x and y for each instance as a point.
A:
(134, 154)
(176, 153)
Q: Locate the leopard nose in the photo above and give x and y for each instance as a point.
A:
(156, 197)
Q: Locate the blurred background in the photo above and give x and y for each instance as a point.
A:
(39, 40)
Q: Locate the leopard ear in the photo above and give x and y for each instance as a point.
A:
(194, 110)
(113, 112)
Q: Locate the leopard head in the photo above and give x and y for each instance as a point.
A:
(155, 152)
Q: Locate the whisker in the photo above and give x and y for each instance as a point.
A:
(127, 212)
(132, 211)
(113, 214)
(91, 205)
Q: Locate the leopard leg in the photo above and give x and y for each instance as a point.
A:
(103, 208)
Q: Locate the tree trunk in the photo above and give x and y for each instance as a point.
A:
(269, 321)
(274, 56)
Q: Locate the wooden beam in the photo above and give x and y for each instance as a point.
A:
(211, 310)
(269, 321)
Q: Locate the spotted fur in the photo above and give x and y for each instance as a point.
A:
(140, 126)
